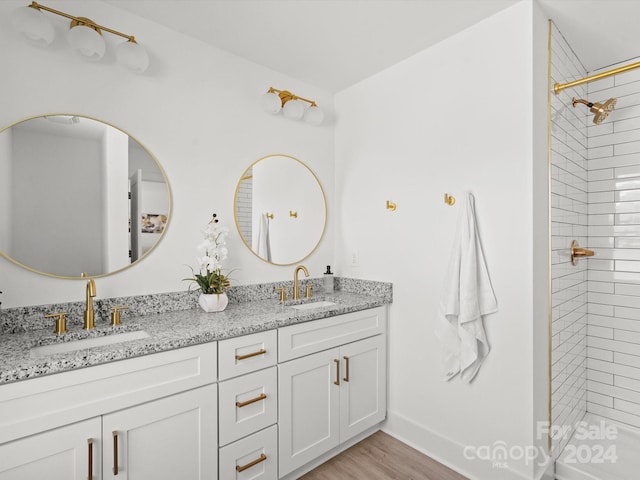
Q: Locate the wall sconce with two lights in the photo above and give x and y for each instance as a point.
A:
(84, 36)
(292, 106)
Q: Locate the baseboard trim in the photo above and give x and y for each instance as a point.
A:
(445, 450)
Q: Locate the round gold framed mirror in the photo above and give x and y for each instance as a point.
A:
(280, 209)
(78, 195)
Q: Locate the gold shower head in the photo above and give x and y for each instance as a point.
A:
(600, 110)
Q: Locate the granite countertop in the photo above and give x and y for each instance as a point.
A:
(166, 331)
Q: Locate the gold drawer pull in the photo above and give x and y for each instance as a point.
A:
(337, 380)
(115, 452)
(262, 351)
(90, 443)
(262, 396)
(346, 361)
(242, 468)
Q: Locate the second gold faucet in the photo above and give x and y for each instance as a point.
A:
(89, 315)
(296, 287)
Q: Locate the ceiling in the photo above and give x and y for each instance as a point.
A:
(336, 43)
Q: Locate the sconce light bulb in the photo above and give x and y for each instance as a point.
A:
(293, 109)
(271, 103)
(35, 27)
(314, 115)
(87, 42)
(133, 56)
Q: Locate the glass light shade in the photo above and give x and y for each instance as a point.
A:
(271, 103)
(132, 56)
(32, 23)
(87, 42)
(293, 109)
(314, 115)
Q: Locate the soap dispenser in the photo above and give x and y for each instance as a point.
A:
(328, 280)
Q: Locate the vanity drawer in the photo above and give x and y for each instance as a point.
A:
(246, 354)
(317, 335)
(247, 404)
(252, 457)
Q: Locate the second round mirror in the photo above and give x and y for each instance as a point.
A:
(280, 209)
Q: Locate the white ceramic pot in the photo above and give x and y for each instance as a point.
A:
(213, 302)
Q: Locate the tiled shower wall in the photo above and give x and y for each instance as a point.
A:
(568, 222)
(614, 233)
(244, 209)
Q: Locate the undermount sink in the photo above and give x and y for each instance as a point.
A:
(64, 347)
(312, 305)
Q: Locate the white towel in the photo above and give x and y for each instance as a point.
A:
(264, 244)
(466, 297)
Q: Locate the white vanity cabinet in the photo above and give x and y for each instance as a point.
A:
(328, 397)
(162, 406)
(71, 452)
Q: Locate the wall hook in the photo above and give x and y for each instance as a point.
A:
(391, 206)
(293, 214)
(269, 215)
(449, 200)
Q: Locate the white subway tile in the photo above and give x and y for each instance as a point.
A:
(606, 219)
(626, 359)
(617, 415)
(628, 336)
(627, 242)
(613, 162)
(601, 377)
(601, 197)
(628, 313)
(627, 195)
(600, 399)
(627, 218)
(602, 332)
(604, 174)
(629, 407)
(625, 148)
(626, 382)
(627, 289)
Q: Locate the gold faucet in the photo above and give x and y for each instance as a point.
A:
(89, 323)
(296, 287)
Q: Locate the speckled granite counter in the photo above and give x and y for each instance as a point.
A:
(169, 330)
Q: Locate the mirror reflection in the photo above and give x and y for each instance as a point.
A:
(78, 195)
(280, 209)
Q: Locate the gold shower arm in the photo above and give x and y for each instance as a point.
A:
(558, 87)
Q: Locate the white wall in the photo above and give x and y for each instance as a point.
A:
(197, 110)
(458, 116)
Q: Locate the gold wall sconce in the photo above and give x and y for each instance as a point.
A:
(84, 36)
(270, 216)
(391, 206)
(449, 200)
(293, 214)
(292, 106)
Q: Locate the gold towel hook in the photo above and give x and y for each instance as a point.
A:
(269, 215)
(293, 213)
(449, 200)
(391, 206)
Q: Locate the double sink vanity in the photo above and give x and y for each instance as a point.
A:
(265, 389)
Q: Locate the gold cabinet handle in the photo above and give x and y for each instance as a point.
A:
(337, 381)
(115, 452)
(262, 351)
(262, 396)
(90, 473)
(242, 468)
(346, 361)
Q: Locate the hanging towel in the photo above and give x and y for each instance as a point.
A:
(466, 297)
(264, 244)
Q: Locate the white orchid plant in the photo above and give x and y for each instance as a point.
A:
(212, 251)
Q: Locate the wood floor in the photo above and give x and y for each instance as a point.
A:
(382, 457)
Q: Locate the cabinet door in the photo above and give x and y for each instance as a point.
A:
(71, 452)
(363, 394)
(308, 408)
(174, 437)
